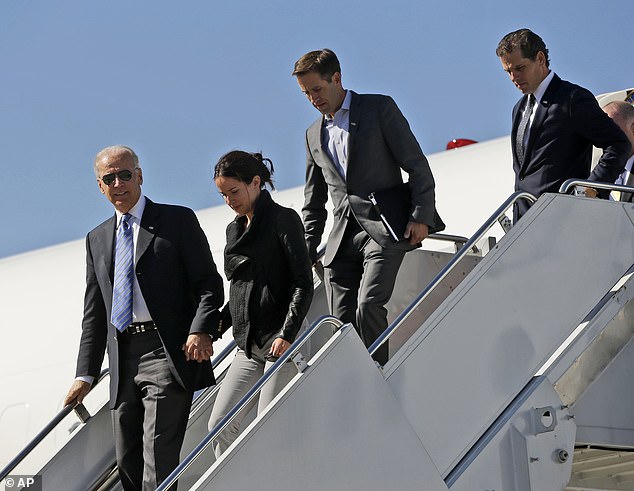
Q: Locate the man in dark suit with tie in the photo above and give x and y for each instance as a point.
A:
(555, 124)
(358, 146)
(152, 299)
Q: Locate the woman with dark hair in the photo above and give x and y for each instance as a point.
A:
(271, 285)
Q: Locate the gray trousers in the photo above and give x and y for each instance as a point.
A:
(241, 376)
(359, 282)
(150, 418)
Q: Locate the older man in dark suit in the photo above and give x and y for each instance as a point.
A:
(622, 113)
(555, 124)
(152, 299)
(358, 146)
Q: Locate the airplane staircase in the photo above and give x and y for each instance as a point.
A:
(86, 451)
(506, 372)
(520, 365)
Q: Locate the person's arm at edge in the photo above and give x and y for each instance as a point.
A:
(92, 345)
(594, 124)
(290, 233)
(207, 285)
(412, 160)
(314, 209)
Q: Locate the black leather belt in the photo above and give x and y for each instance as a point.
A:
(139, 327)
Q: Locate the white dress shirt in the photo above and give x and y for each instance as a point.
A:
(140, 311)
(538, 94)
(335, 135)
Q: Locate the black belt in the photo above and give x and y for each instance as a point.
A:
(139, 327)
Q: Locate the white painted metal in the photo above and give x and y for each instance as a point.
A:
(521, 458)
(87, 455)
(486, 341)
(593, 376)
(336, 426)
(596, 469)
(605, 411)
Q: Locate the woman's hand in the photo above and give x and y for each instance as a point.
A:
(278, 347)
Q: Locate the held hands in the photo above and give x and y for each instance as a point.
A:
(198, 347)
(416, 232)
(77, 392)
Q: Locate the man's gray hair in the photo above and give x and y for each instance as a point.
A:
(115, 149)
(622, 110)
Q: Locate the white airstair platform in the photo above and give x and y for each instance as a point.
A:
(514, 373)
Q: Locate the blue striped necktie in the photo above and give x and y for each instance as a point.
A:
(123, 276)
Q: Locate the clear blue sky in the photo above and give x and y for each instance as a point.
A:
(182, 82)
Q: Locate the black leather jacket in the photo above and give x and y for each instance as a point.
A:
(270, 274)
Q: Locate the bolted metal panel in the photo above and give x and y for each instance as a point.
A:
(478, 350)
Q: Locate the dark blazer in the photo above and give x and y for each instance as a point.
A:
(567, 123)
(180, 285)
(380, 144)
(270, 274)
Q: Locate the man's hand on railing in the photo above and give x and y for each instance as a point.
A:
(77, 392)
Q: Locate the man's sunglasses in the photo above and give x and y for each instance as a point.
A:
(124, 175)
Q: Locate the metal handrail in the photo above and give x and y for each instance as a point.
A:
(205, 442)
(567, 185)
(456, 239)
(65, 411)
(499, 213)
(43, 433)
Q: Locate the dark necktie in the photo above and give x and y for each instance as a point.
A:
(121, 316)
(521, 129)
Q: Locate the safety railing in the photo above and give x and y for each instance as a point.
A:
(496, 217)
(84, 416)
(50, 426)
(458, 240)
(567, 186)
(291, 353)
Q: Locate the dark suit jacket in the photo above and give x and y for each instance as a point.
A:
(567, 122)
(180, 285)
(379, 146)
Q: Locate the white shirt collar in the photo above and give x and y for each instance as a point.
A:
(345, 106)
(539, 93)
(136, 211)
